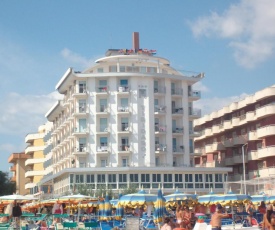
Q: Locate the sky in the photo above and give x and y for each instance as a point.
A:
(232, 42)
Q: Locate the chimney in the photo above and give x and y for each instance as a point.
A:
(135, 41)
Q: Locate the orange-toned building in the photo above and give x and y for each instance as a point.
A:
(18, 170)
(242, 133)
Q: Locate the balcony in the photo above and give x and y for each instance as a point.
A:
(252, 135)
(159, 90)
(227, 124)
(34, 136)
(83, 132)
(123, 110)
(124, 149)
(103, 130)
(177, 111)
(250, 116)
(124, 129)
(81, 112)
(160, 109)
(229, 161)
(102, 89)
(252, 155)
(235, 121)
(12, 168)
(239, 140)
(194, 113)
(238, 159)
(267, 172)
(34, 161)
(176, 92)
(268, 151)
(80, 93)
(13, 179)
(160, 129)
(194, 95)
(30, 185)
(32, 149)
(208, 132)
(34, 173)
(214, 147)
(123, 89)
(228, 143)
(81, 150)
(102, 149)
(236, 177)
(193, 134)
(199, 151)
(266, 131)
(265, 111)
(177, 131)
(160, 148)
(178, 149)
(103, 109)
(48, 149)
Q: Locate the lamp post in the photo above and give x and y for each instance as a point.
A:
(244, 169)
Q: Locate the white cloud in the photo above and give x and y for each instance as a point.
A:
(76, 59)
(201, 87)
(209, 105)
(249, 27)
(23, 114)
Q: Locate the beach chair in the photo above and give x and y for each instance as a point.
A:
(104, 225)
(70, 225)
(91, 225)
(81, 226)
(59, 226)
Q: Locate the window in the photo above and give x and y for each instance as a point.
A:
(218, 181)
(90, 178)
(112, 178)
(167, 178)
(101, 178)
(103, 104)
(156, 177)
(82, 106)
(124, 82)
(103, 163)
(82, 125)
(125, 162)
(178, 181)
(124, 102)
(71, 178)
(122, 69)
(157, 161)
(102, 82)
(82, 87)
(103, 141)
(198, 181)
(133, 177)
(145, 177)
(142, 69)
(122, 177)
(103, 124)
(189, 181)
(79, 178)
(124, 123)
(125, 144)
(100, 70)
(82, 145)
(112, 68)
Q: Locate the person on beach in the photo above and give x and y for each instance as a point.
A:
(216, 219)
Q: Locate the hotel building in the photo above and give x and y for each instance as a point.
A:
(242, 133)
(126, 120)
(18, 170)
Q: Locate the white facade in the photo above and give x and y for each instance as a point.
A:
(126, 120)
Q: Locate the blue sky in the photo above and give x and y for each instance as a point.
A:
(232, 42)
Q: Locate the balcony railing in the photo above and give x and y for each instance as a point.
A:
(125, 127)
(178, 110)
(178, 148)
(160, 128)
(160, 108)
(123, 89)
(159, 89)
(102, 89)
(176, 91)
(103, 108)
(102, 148)
(160, 147)
(123, 108)
(178, 130)
(125, 148)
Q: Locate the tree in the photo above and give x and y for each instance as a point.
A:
(129, 190)
(6, 186)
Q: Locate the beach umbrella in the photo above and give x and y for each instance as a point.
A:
(137, 199)
(257, 199)
(231, 198)
(15, 197)
(119, 209)
(207, 199)
(107, 208)
(101, 209)
(159, 206)
(114, 202)
(178, 197)
(270, 199)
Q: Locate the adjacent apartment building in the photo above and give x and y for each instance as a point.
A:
(241, 134)
(128, 119)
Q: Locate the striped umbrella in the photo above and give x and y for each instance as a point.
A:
(119, 209)
(177, 197)
(207, 199)
(107, 208)
(137, 199)
(257, 199)
(270, 199)
(232, 199)
(101, 209)
(159, 205)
